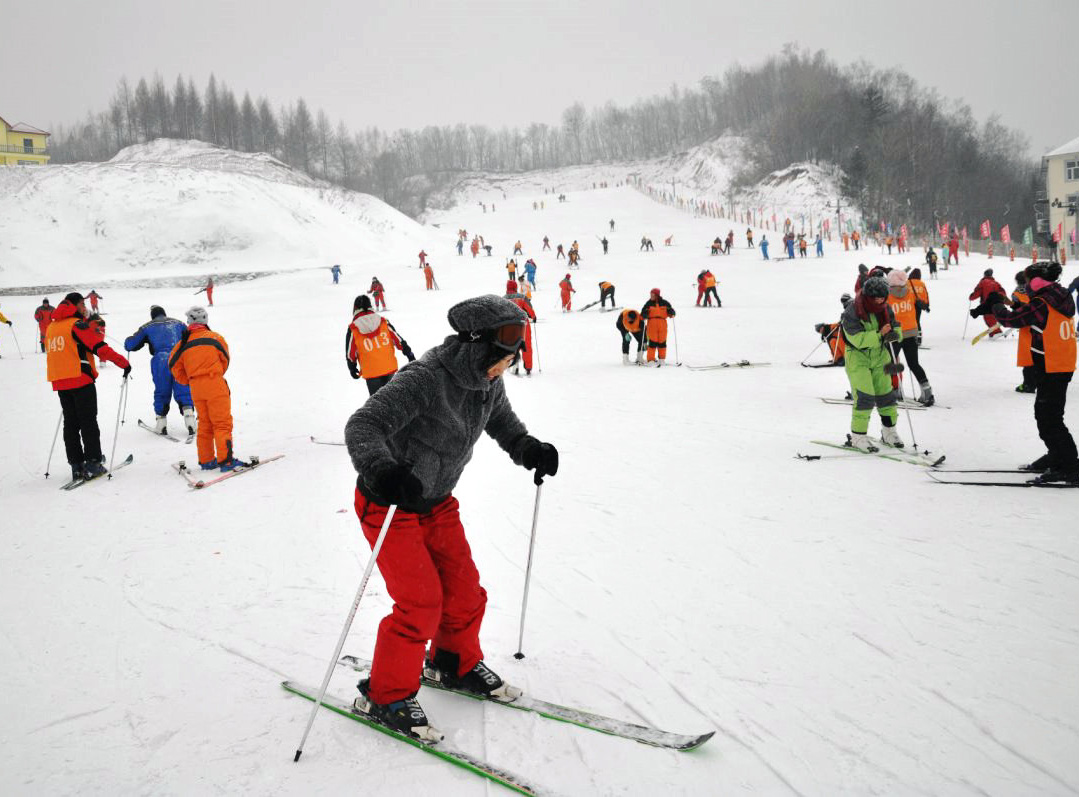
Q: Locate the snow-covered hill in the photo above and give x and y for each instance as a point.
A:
(846, 625)
(180, 208)
(707, 173)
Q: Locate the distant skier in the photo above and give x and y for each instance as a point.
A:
(559, 253)
(335, 270)
(43, 317)
(764, 246)
(749, 237)
(604, 241)
(208, 290)
(567, 289)
(819, 244)
(369, 346)
(1050, 316)
(655, 312)
(989, 293)
(525, 304)
(439, 406)
(868, 326)
(423, 258)
(546, 244)
(378, 293)
(511, 269)
(72, 345)
(953, 251)
(629, 327)
(460, 246)
(612, 225)
(161, 334)
(94, 298)
(700, 291)
(710, 292)
(429, 276)
(803, 245)
(517, 250)
(931, 261)
(200, 360)
(606, 291)
(530, 272)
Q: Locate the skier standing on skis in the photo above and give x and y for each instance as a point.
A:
(161, 334)
(43, 317)
(335, 272)
(629, 326)
(378, 292)
(72, 344)
(921, 297)
(530, 272)
(868, 326)
(1023, 357)
(94, 298)
(655, 312)
(409, 444)
(710, 292)
(567, 289)
(903, 303)
(526, 353)
(1050, 316)
(200, 360)
(369, 344)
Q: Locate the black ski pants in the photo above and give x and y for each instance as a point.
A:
(82, 437)
(1049, 415)
(909, 347)
(625, 339)
(375, 382)
(604, 295)
(711, 292)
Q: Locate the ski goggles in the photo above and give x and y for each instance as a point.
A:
(509, 337)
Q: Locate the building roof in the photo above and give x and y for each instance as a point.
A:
(1065, 149)
(22, 127)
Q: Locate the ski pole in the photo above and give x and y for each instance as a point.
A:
(53, 446)
(812, 352)
(902, 398)
(674, 328)
(116, 432)
(348, 625)
(528, 570)
(17, 346)
(966, 321)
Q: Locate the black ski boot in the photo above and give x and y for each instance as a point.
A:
(92, 469)
(480, 680)
(1058, 476)
(404, 716)
(76, 472)
(1040, 465)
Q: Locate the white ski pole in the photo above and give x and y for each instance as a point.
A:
(17, 346)
(902, 398)
(966, 321)
(348, 624)
(53, 446)
(116, 431)
(535, 347)
(528, 571)
(674, 328)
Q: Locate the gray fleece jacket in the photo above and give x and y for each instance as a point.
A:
(429, 417)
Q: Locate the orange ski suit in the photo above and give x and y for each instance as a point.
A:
(200, 360)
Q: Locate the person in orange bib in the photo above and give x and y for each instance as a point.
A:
(656, 311)
(1023, 358)
(902, 300)
(72, 343)
(921, 297)
(629, 327)
(369, 346)
(200, 359)
(1050, 316)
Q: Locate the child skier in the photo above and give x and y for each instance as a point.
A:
(369, 344)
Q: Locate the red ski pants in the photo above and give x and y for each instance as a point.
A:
(428, 569)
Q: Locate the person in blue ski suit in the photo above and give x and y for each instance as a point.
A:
(764, 246)
(336, 271)
(530, 272)
(161, 333)
(790, 246)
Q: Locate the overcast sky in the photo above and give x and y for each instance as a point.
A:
(416, 62)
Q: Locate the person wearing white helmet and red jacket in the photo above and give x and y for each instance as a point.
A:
(655, 312)
(410, 443)
(903, 301)
(868, 326)
(1050, 316)
(71, 344)
(369, 344)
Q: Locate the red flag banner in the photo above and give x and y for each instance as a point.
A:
(944, 230)
(986, 230)
(1058, 233)
(1005, 234)
(903, 231)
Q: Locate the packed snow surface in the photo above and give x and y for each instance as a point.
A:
(845, 625)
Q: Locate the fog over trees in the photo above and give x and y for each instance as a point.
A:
(909, 154)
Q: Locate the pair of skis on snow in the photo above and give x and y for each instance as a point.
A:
(583, 719)
(198, 484)
(156, 433)
(718, 366)
(76, 483)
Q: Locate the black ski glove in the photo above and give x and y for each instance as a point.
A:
(408, 353)
(353, 369)
(1000, 310)
(977, 311)
(127, 370)
(892, 336)
(543, 457)
(394, 484)
(893, 369)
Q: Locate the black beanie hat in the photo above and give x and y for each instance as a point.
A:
(987, 273)
(156, 311)
(74, 297)
(362, 302)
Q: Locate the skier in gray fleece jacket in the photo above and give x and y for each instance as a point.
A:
(409, 444)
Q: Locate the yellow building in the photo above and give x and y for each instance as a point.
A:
(22, 145)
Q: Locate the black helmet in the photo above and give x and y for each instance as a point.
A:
(876, 288)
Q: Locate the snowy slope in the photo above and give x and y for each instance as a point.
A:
(846, 625)
(183, 207)
(707, 173)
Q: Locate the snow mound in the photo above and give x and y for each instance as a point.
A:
(182, 207)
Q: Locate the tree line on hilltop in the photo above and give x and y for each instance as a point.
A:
(909, 155)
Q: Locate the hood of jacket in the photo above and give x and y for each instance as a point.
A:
(65, 310)
(367, 321)
(1057, 296)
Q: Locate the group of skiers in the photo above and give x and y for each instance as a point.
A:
(648, 327)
